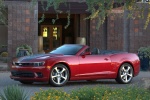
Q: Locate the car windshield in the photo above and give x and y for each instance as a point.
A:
(67, 49)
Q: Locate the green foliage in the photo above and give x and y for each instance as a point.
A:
(4, 54)
(51, 94)
(13, 93)
(144, 52)
(96, 93)
(54, 20)
(144, 55)
(68, 17)
(99, 9)
(42, 18)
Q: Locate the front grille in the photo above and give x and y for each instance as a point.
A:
(34, 64)
(22, 74)
(24, 64)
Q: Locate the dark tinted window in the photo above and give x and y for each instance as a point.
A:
(67, 49)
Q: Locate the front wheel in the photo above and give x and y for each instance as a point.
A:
(125, 74)
(59, 75)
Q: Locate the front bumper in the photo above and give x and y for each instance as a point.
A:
(34, 74)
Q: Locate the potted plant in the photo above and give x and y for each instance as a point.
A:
(23, 50)
(144, 55)
(4, 56)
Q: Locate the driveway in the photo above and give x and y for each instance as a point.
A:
(5, 81)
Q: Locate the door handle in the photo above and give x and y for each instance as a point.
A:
(106, 59)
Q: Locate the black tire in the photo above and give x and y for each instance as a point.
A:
(125, 74)
(91, 80)
(59, 75)
(26, 82)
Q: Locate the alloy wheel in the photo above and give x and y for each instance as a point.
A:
(59, 75)
(125, 74)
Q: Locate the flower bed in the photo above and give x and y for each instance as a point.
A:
(97, 93)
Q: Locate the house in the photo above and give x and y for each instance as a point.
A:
(23, 28)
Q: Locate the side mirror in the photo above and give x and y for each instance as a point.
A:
(86, 53)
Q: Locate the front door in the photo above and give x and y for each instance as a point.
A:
(52, 36)
(96, 66)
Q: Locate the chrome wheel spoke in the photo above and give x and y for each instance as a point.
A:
(126, 78)
(63, 70)
(58, 80)
(54, 76)
(122, 75)
(123, 69)
(56, 69)
(130, 75)
(128, 69)
(64, 77)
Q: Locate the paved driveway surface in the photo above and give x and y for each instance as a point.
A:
(5, 81)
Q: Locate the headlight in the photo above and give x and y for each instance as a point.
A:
(13, 63)
(26, 64)
(38, 64)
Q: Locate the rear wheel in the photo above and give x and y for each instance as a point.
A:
(26, 82)
(125, 74)
(59, 75)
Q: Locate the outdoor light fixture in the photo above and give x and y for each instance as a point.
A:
(55, 32)
(45, 32)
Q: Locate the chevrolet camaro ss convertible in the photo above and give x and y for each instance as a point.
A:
(71, 62)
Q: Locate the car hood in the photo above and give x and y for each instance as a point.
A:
(37, 57)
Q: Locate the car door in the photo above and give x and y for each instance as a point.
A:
(97, 66)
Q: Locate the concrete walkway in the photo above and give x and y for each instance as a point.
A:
(3, 66)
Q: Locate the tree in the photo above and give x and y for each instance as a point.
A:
(3, 13)
(99, 9)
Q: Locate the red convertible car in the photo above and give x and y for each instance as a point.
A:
(75, 62)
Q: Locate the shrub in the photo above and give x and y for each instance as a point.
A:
(26, 50)
(13, 93)
(96, 93)
(51, 94)
(4, 54)
(86, 93)
(144, 55)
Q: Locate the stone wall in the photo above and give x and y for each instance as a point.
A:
(3, 35)
(83, 25)
(22, 25)
(115, 32)
(139, 37)
(96, 36)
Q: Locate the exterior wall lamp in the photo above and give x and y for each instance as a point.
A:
(45, 32)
